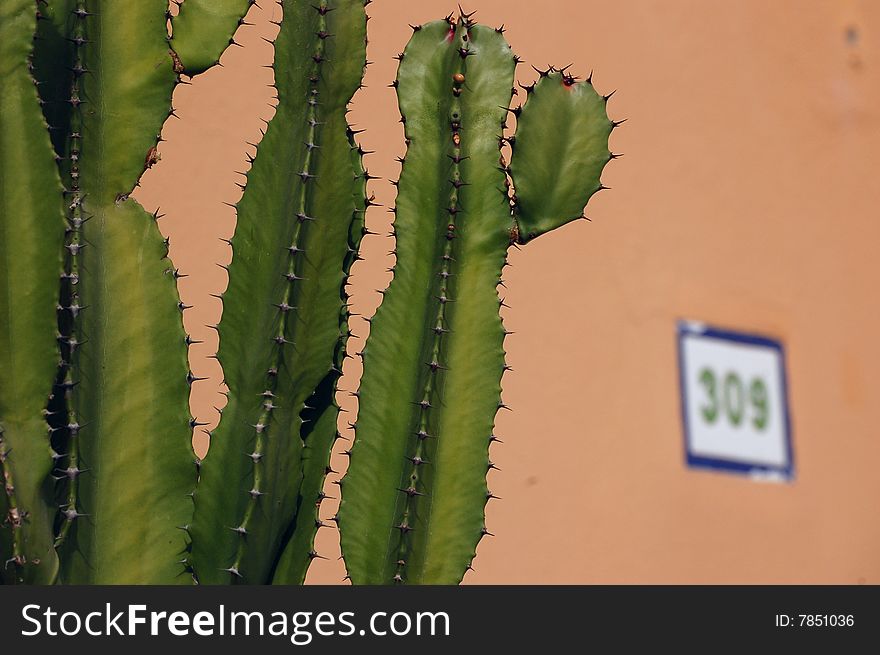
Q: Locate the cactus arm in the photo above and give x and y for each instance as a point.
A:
(265, 226)
(31, 233)
(280, 323)
(203, 29)
(413, 498)
(391, 382)
(560, 150)
(475, 363)
(130, 435)
(134, 445)
(320, 430)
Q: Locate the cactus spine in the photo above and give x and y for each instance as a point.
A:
(413, 499)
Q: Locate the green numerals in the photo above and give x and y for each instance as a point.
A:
(710, 410)
(733, 398)
(760, 404)
(730, 397)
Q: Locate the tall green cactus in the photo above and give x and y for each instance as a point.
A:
(128, 427)
(120, 419)
(281, 318)
(413, 499)
(117, 416)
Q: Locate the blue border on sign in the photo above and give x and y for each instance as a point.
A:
(698, 328)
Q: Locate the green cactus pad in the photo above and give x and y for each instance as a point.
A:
(202, 31)
(560, 150)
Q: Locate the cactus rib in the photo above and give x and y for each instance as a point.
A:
(413, 498)
(320, 430)
(202, 31)
(31, 233)
(281, 322)
(129, 429)
(62, 98)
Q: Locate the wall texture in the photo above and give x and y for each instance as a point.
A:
(746, 198)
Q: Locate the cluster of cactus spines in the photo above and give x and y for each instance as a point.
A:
(203, 29)
(281, 327)
(31, 234)
(414, 496)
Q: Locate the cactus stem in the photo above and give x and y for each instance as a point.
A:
(417, 459)
(293, 276)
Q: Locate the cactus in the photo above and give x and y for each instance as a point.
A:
(281, 317)
(95, 432)
(120, 420)
(413, 499)
(128, 420)
(319, 428)
(118, 416)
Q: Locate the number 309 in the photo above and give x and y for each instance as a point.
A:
(729, 398)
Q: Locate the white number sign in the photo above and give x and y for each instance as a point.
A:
(734, 401)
